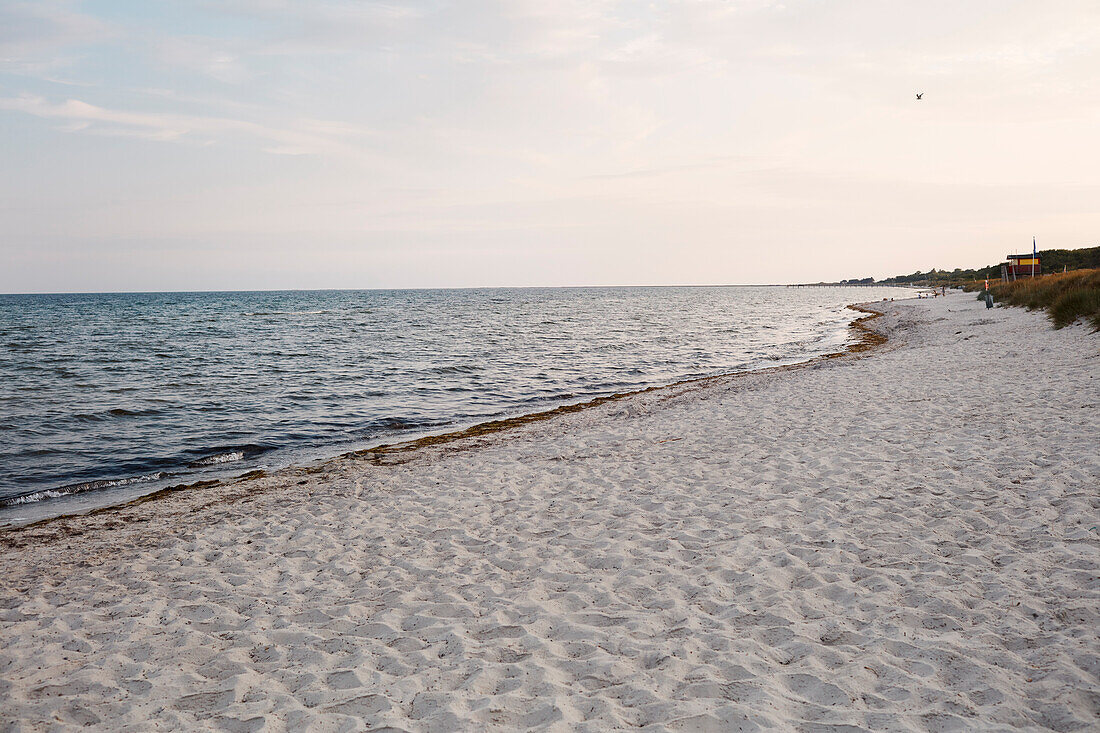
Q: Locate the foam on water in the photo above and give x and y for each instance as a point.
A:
(220, 458)
(59, 492)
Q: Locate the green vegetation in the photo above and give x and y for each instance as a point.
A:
(1066, 296)
(1068, 289)
(1054, 260)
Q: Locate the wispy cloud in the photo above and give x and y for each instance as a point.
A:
(44, 35)
(305, 137)
(31, 26)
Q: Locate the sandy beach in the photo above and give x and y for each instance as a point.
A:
(904, 538)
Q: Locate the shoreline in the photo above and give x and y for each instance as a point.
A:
(868, 543)
(867, 339)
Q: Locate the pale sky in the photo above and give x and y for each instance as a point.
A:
(255, 144)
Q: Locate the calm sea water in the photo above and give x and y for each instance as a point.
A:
(104, 397)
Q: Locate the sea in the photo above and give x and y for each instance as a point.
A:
(106, 397)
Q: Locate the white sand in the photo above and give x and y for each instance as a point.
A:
(903, 540)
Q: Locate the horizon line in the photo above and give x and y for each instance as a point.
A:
(461, 287)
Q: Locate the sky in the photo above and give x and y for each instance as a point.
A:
(269, 144)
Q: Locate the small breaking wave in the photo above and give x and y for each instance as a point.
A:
(215, 455)
(220, 458)
(81, 488)
(31, 498)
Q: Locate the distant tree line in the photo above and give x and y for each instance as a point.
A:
(1054, 260)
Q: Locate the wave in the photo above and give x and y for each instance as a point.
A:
(81, 488)
(116, 412)
(287, 313)
(236, 455)
(31, 498)
(455, 369)
(396, 423)
(217, 454)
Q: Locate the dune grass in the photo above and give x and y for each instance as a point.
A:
(1066, 296)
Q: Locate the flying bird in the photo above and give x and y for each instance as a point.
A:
(920, 95)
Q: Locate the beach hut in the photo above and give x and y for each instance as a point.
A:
(1026, 265)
